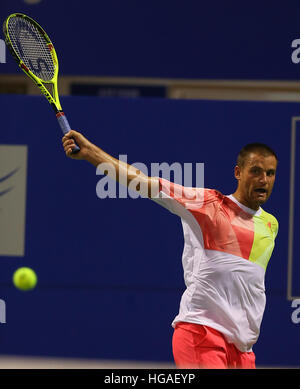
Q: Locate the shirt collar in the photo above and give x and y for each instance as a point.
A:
(244, 208)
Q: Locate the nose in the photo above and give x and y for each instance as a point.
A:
(263, 178)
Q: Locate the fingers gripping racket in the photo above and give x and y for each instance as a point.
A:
(35, 54)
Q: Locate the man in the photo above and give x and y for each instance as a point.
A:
(228, 243)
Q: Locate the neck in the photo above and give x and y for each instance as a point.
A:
(241, 199)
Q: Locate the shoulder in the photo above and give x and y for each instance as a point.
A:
(269, 216)
(271, 221)
(189, 194)
(213, 195)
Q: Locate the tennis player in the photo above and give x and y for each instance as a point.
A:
(228, 243)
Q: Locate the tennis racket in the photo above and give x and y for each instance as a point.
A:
(35, 54)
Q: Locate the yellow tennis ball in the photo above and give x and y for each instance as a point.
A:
(24, 278)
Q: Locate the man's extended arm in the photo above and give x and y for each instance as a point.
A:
(124, 173)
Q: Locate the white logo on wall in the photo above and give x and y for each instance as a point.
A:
(2, 312)
(2, 51)
(13, 174)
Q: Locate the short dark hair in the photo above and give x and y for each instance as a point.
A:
(260, 148)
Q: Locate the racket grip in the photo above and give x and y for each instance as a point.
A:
(65, 126)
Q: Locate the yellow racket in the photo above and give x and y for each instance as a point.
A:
(35, 54)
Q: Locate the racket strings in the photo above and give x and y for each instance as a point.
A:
(31, 47)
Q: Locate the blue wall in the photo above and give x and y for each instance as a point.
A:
(110, 276)
(170, 39)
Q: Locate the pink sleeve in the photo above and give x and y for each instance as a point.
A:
(177, 198)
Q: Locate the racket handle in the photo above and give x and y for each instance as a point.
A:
(65, 126)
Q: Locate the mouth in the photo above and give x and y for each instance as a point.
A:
(262, 192)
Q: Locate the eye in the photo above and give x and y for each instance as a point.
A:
(255, 170)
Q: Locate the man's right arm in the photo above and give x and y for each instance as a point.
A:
(123, 172)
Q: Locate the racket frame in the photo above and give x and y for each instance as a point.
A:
(54, 98)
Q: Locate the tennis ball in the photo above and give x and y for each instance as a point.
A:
(24, 278)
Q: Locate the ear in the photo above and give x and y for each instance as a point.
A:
(237, 172)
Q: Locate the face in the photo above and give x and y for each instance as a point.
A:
(255, 180)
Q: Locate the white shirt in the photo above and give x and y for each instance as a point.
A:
(227, 247)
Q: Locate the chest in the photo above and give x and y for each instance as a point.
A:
(234, 232)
